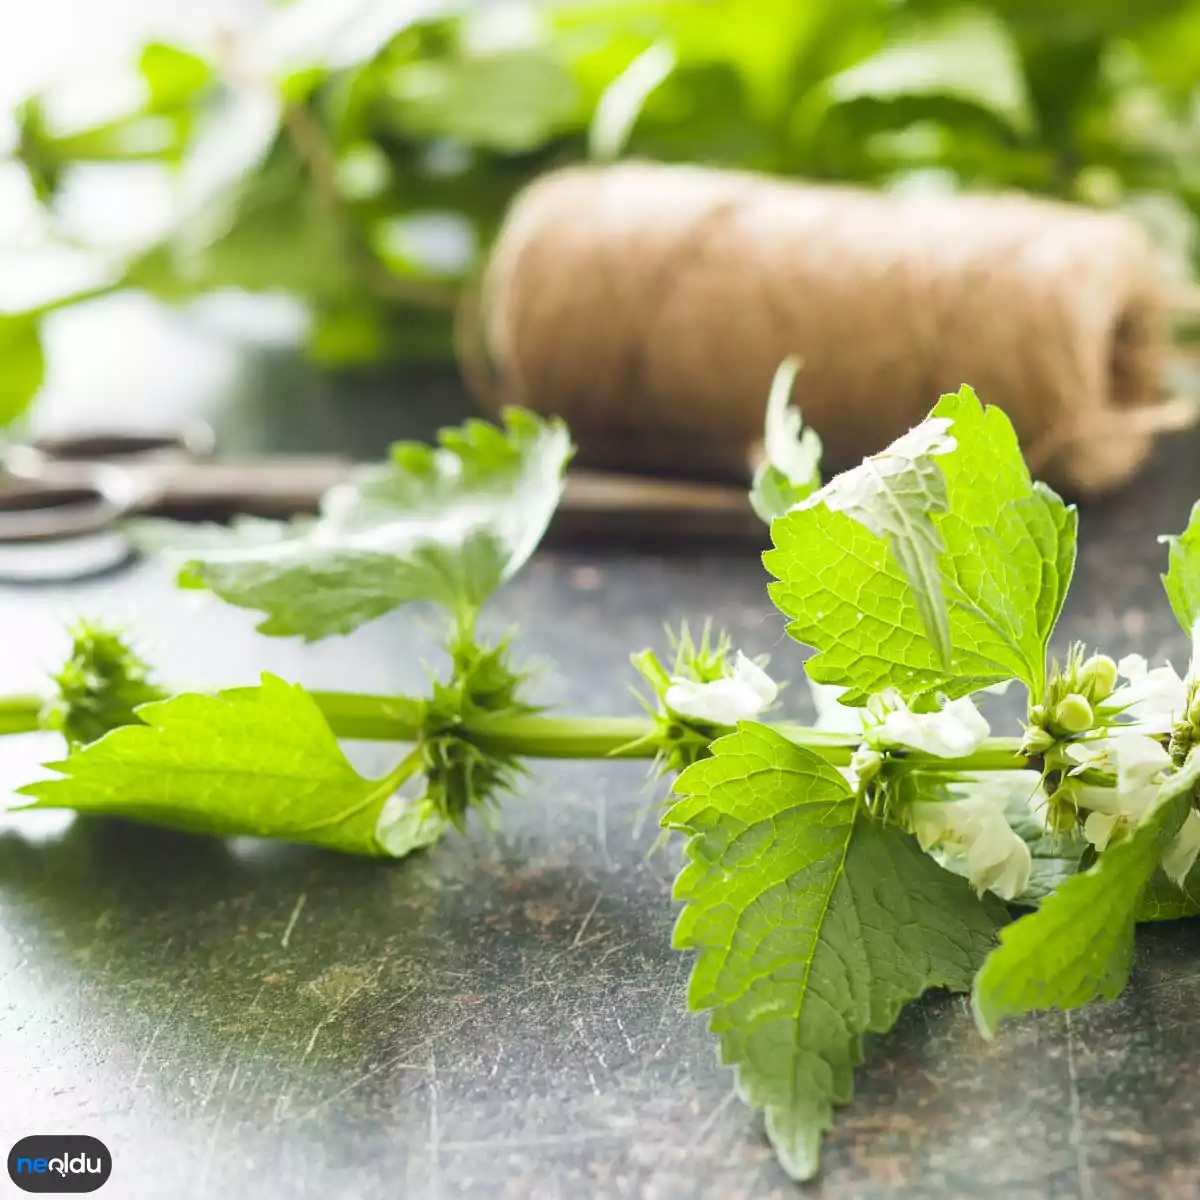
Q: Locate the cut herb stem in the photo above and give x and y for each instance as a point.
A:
(20, 714)
(359, 717)
(398, 719)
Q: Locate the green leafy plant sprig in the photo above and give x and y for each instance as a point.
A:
(832, 873)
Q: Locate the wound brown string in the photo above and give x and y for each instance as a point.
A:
(650, 305)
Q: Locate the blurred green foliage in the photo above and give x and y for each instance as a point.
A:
(360, 154)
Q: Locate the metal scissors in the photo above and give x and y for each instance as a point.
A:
(63, 499)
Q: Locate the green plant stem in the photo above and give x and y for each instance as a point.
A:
(20, 714)
(398, 719)
(359, 717)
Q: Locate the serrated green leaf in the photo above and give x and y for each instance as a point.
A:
(1182, 579)
(1079, 945)
(772, 493)
(446, 525)
(1008, 550)
(258, 761)
(22, 364)
(895, 495)
(813, 926)
(1165, 900)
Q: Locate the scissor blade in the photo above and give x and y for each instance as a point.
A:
(595, 504)
(71, 498)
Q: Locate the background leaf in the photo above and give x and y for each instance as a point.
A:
(1182, 579)
(813, 926)
(965, 54)
(22, 365)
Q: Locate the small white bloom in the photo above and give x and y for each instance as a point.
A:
(1140, 764)
(790, 447)
(865, 764)
(957, 729)
(997, 689)
(832, 715)
(740, 695)
(974, 832)
(1181, 853)
(1151, 699)
(1088, 755)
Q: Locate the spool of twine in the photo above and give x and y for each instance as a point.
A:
(650, 306)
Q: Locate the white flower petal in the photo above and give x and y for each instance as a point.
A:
(998, 689)
(1152, 699)
(1091, 755)
(956, 730)
(975, 832)
(833, 716)
(1012, 878)
(1140, 762)
(930, 823)
(1099, 826)
(740, 696)
(405, 822)
(1133, 667)
(787, 445)
(748, 674)
(1181, 853)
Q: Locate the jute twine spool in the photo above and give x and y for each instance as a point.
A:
(650, 306)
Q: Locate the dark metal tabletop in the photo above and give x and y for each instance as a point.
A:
(503, 1016)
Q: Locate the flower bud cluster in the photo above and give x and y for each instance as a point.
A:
(1073, 695)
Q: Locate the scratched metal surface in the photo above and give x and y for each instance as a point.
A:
(503, 1016)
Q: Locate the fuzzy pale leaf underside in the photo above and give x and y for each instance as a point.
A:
(1008, 553)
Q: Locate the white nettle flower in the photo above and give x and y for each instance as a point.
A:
(955, 730)
(1140, 763)
(739, 695)
(1180, 855)
(1153, 700)
(832, 715)
(975, 832)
